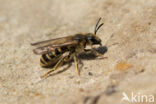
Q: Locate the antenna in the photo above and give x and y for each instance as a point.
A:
(98, 27)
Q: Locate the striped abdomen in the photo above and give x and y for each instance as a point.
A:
(52, 57)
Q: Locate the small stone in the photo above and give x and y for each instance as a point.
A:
(90, 74)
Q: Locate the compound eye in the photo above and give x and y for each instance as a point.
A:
(93, 39)
(90, 38)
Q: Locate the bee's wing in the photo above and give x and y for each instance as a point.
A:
(50, 45)
(52, 41)
(43, 50)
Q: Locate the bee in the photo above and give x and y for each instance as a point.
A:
(59, 50)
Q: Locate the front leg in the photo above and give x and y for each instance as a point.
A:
(88, 50)
(76, 64)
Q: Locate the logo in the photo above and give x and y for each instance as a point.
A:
(137, 98)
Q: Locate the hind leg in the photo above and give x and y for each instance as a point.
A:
(55, 67)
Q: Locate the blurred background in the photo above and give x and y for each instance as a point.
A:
(129, 68)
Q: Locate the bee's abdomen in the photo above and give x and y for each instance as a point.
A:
(50, 58)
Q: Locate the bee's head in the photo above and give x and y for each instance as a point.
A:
(91, 38)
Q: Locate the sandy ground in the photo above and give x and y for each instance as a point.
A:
(130, 66)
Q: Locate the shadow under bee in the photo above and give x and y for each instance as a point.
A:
(82, 56)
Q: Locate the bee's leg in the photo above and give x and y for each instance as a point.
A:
(76, 64)
(76, 61)
(94, 51)
(55, 67)
(88, 50)
(67, 58)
